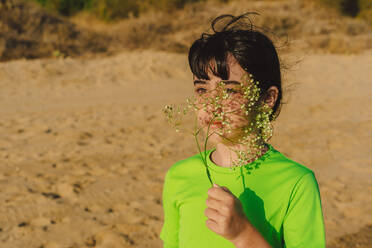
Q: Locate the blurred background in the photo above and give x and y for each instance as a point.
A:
(84, 146)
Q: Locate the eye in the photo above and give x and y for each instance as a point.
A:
(200, 91)
(231, 91)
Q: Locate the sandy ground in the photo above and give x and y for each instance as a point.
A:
(84, 146)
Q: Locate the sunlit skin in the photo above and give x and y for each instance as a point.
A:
(209, 89)
(206, 89)
(224, 210)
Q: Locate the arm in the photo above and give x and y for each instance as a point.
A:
(303, 225)
(169, 231)
(250, 238)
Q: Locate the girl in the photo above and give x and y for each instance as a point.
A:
(259, 198)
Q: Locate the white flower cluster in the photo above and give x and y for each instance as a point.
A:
(253, 136)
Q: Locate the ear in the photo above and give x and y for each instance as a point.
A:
(272, 96)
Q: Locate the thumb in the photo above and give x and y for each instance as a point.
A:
(222, 187)
(226, 189)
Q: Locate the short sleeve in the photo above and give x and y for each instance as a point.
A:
(169, 231)
(303, 224)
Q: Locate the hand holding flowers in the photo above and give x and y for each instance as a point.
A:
(225, 213)
(226, 218)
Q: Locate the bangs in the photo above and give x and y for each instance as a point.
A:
(236, 38)
(209, 55)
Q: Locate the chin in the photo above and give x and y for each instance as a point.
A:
(216, 138)
(213, 138)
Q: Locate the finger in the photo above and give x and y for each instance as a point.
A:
(219, 193)
(212, 214)
(211, 224)
(226, 189)
(213, 203)
(215, 185)
(223, 208)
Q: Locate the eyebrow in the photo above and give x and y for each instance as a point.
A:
(225, 82)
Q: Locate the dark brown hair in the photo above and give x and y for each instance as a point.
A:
(253, 50)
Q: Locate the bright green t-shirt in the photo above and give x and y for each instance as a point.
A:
(280, 197)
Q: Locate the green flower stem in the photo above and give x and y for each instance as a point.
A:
(200, 152)
(258, 117)
(204, 158)
(205, 151)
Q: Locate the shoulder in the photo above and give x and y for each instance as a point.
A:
(297, 179)
(288, 165)
(289, 172)
(185, 166)
(182, 172)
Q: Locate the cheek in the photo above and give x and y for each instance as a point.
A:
(239, 121)
(201, 116)
(234, 105)
(237, 116)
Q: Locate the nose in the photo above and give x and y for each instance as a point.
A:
(218, 110)
(214, 106)
(213, 99)
(216, 90)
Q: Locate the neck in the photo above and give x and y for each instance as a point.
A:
(226, 155)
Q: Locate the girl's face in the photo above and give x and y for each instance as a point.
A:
(210, 102)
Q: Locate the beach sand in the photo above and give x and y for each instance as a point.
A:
(84, 145)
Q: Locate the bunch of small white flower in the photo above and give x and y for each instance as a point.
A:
(253, 136)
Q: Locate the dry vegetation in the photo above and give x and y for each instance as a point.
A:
(307, 26)
(28, 31)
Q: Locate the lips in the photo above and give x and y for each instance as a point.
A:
(210, 122)
(216, 123)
